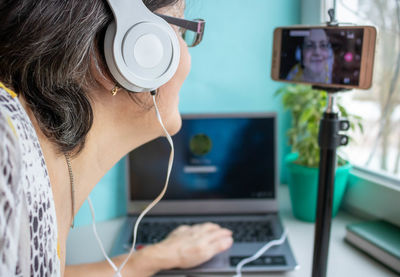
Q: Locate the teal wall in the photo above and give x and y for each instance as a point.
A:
(230, 73)
(108, 197)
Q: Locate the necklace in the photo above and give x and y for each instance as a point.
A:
(71, 181)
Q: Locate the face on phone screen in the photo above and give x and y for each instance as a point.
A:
(321, 56)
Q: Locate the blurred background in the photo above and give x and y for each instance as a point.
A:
(231, 73)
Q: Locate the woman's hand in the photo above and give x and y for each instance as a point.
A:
(189, 246)
(186, 246)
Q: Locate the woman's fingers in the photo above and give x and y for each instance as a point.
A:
(205, 227)
(221, 243)
(215, 234)
(193, 245)
(217, 240)
(212, 239)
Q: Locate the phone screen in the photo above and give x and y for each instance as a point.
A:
(321, 55)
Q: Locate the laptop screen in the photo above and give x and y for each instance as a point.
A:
(220, 157)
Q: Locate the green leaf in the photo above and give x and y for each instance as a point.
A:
(307, 106)
(305, 116)
(361, 127)
(343, 111)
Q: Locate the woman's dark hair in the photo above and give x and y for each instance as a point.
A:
(46, 51)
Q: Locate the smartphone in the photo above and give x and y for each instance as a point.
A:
(336, 57)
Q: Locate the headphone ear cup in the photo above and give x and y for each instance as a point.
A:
(110, 59)
(142, 52)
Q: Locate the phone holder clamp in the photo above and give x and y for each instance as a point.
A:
(332, 18)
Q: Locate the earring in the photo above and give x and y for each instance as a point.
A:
(115, 89)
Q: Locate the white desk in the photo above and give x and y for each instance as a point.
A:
(344, 260)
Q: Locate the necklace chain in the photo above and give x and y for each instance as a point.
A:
(71, 181)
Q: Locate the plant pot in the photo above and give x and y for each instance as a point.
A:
(303, 188)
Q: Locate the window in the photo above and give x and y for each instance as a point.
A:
(378, 147)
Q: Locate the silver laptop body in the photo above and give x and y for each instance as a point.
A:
(225, 171)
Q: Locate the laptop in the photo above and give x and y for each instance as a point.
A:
(225, 171)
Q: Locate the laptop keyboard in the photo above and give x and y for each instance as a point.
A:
(244, 231)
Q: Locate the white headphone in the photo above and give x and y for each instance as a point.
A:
(141, 49)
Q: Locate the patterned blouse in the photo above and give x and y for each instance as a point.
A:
(28, 225)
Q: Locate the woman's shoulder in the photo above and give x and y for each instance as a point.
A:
(10, 152)
(25, 196)
(19, 138)
(11, 191)
(295, 73)
(20, 151)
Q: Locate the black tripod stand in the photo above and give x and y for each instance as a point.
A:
(329, 139)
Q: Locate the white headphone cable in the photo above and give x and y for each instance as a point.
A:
(98, 238)
(159, 197)
(259, 253)
(148, 208)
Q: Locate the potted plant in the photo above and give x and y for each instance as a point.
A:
(307, 106)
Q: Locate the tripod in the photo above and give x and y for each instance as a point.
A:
(329, 139)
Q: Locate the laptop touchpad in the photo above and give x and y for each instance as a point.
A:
(219, 261)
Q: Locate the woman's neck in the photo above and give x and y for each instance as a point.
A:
(111, 137)
(315, 77)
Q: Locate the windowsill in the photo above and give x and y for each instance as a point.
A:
(373, 195)
(379, 178)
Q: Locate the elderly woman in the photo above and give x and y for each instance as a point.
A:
(316, 59)
(59, 118)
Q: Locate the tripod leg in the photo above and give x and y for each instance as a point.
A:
(324, 212)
